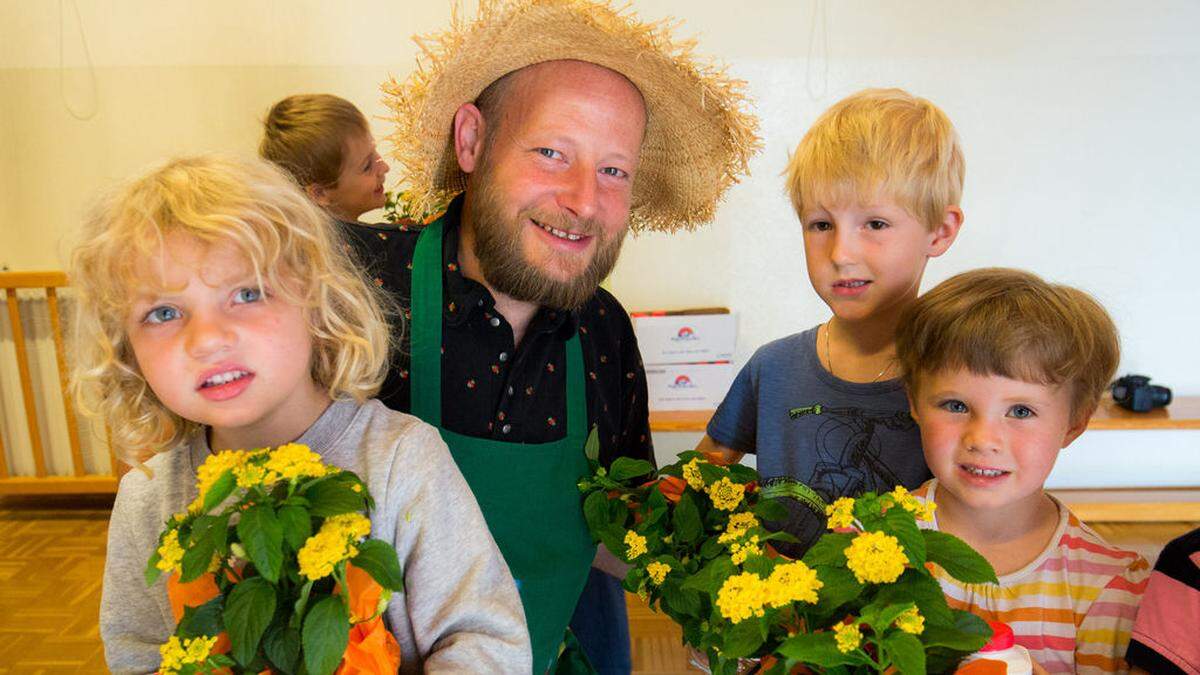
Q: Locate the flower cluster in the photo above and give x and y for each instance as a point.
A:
(911, 621)
(657, 572)
(178, 653)
(921, 509)
(746, 594)
(726, 494)
(170, 553)
(848, 636)
(691, 473)
(841, 513)
(792, 582)
(875, 558)
(742, 596)
(332, 544)
(293, 461)
(636, 544)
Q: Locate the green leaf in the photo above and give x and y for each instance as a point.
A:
(152, 572)
(916, 586)
(687, 520)
(262, 537)
(969, 633)
(740, 473)
(196, 560)
(743, 638)
(901, 524)
(819, 649)
(681, 601)
(325, 634)
(591, 447)
(203, 620)
(624, 468)
(770, 510)
(958, 559)
(760, 565)
(711, 576)
(840, 586)
(248, 612)
(219, 490)
(296, 524)
(378, 558)
(334, 497)
(829, 550)
(906, 653)
(711, 548)
(281, 645)
(711, 473)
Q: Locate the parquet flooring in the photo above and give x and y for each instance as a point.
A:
(52, 561)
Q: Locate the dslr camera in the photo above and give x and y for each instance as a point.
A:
(1134, 392)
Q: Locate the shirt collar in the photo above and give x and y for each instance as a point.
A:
(465, 296)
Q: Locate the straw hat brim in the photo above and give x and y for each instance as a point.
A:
(699, 136)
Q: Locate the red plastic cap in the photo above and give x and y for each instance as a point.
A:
(1002, 637)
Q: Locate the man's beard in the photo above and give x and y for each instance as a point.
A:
(502, 258)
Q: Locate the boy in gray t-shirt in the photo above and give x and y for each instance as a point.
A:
(876, 183)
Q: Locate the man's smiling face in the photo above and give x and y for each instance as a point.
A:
(549, 200)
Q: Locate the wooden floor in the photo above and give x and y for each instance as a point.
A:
(52, 560)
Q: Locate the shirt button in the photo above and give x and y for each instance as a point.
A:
(479, 303)
(506, 428)
(510, 391)
(495, 321)
(503, 357)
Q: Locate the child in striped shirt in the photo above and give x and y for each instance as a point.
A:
(1004, 370)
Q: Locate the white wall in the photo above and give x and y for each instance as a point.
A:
(1079, 121)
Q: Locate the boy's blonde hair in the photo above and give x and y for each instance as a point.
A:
(306, 135)
(998, 321)
(289, 242)
(879, 142)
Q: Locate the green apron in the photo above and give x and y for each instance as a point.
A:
(527, 492)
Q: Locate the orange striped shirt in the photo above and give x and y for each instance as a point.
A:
(1072, 607)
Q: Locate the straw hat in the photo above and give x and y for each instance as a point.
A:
(699, 137)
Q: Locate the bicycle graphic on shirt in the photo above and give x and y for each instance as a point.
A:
(849, 454)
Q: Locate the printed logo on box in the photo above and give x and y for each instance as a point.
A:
(682, 382)
(685, 334)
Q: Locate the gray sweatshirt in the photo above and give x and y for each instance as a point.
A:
(460, 611)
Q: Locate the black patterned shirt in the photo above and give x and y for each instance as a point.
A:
(494, 390)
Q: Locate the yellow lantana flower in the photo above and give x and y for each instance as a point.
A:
(875, 558)
(726, 494)
(332, 544)
(176, 653)
(848, 636)
(911, 621)
(742, 550)
(841, 513)
(294, 461)
(741, 597)
(657, 571)
(251, 475)
(923, 510)
(691, 473)
(636, 544)
(212, 469)
(792, 582)
(170, 553)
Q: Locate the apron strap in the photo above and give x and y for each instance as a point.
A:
(425, 383)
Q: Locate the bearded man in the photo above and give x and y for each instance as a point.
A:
(552, 127)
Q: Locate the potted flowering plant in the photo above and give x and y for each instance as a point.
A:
(269, 569)
(860, 600)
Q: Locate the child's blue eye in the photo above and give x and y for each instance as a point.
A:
(161, 315)
(614, 172)
(549, 153)
(246, 295)
(1020, 412)
(954, 406)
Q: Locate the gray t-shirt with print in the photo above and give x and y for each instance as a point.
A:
(839, 438)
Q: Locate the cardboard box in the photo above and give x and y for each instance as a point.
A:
(688, 386)
(685, 338)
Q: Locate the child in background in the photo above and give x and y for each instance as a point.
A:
(215, 312)
(1168, 620)
(876, 183)
(327, 146)
(1003, 371)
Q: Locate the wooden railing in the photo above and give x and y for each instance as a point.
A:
(78, 480)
